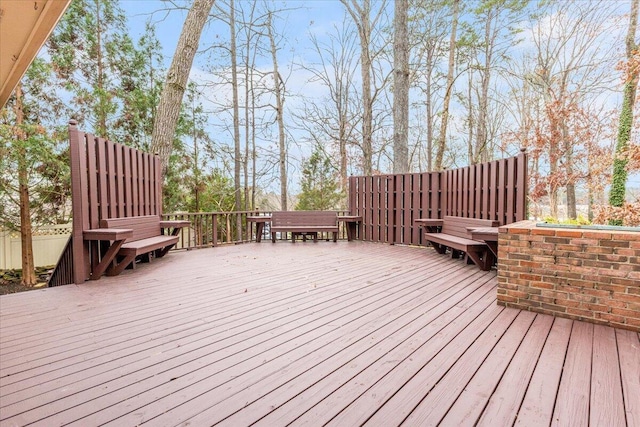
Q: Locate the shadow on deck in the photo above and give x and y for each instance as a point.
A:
(339, 333)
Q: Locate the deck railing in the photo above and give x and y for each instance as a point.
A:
(210, 229)
(110, 180)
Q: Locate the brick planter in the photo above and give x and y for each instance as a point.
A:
(591, 275)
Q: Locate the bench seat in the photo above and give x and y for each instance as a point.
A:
(147, 245)
(131, 237)
(304, 223)
(454, 236)
(305, 228)
(459, 243)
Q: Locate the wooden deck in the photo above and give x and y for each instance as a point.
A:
(321, 333)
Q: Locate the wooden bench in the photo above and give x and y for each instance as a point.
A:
(454, 234)
(131, 237)
(304, 223)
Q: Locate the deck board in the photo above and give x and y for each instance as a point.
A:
(575, 384)
(346, 333)
(605, 380)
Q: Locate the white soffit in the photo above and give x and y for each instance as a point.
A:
(25, 25)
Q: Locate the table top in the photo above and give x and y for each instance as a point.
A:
(258, 218)
(265, 218)
(428, 221)
(354, 218)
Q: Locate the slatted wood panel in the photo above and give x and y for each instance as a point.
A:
(495, 190)
(108, 180)
(348, 334)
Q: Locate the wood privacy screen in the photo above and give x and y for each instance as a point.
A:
(108, 180)
(389, 204)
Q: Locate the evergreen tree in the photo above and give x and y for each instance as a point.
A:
(95, 59)
(36, 189)
(320, 184)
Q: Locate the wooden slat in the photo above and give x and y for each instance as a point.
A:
(353, 192)
(439, 196)
(407, 208)
(629, 354)
(522, 186)
(127, 182)
(112, 200)
(147, 184)
(502, 199)
(486, 191)
(478, 191)
(510, 193)
(120, 191)
(607, 404)
(140, 182)
(92, 184)
(376, 219)
(493, 186)
(102, 178)
(572, 406)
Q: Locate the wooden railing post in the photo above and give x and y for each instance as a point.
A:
(77, 150)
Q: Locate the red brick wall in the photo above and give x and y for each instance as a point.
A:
(591, 275)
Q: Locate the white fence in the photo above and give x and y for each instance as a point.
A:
(48, 244)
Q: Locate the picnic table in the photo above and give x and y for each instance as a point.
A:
(351, 222)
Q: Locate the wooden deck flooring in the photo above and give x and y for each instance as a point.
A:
(340, 334)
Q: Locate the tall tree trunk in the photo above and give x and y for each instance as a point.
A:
(278, 83)
(101, 128)
(442, 138)
(570, 187)
(361, 15)
(26, 235)
(365, 63)
(237, 161)
(480, 148)
(553, 187)
(342, 146)
(164, 125)
(619, 185)
(429, 114)
(253, 147)
(470, 117)
(401, 88)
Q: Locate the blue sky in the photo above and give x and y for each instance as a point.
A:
(302, 17)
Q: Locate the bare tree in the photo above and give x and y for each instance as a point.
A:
(252, 38)
(401, 88)
(442, 137)
(166, 120)
(237, 158)
(278, 89)
(361, 15)
(429, 26)
(335, 118)
(573, 67)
